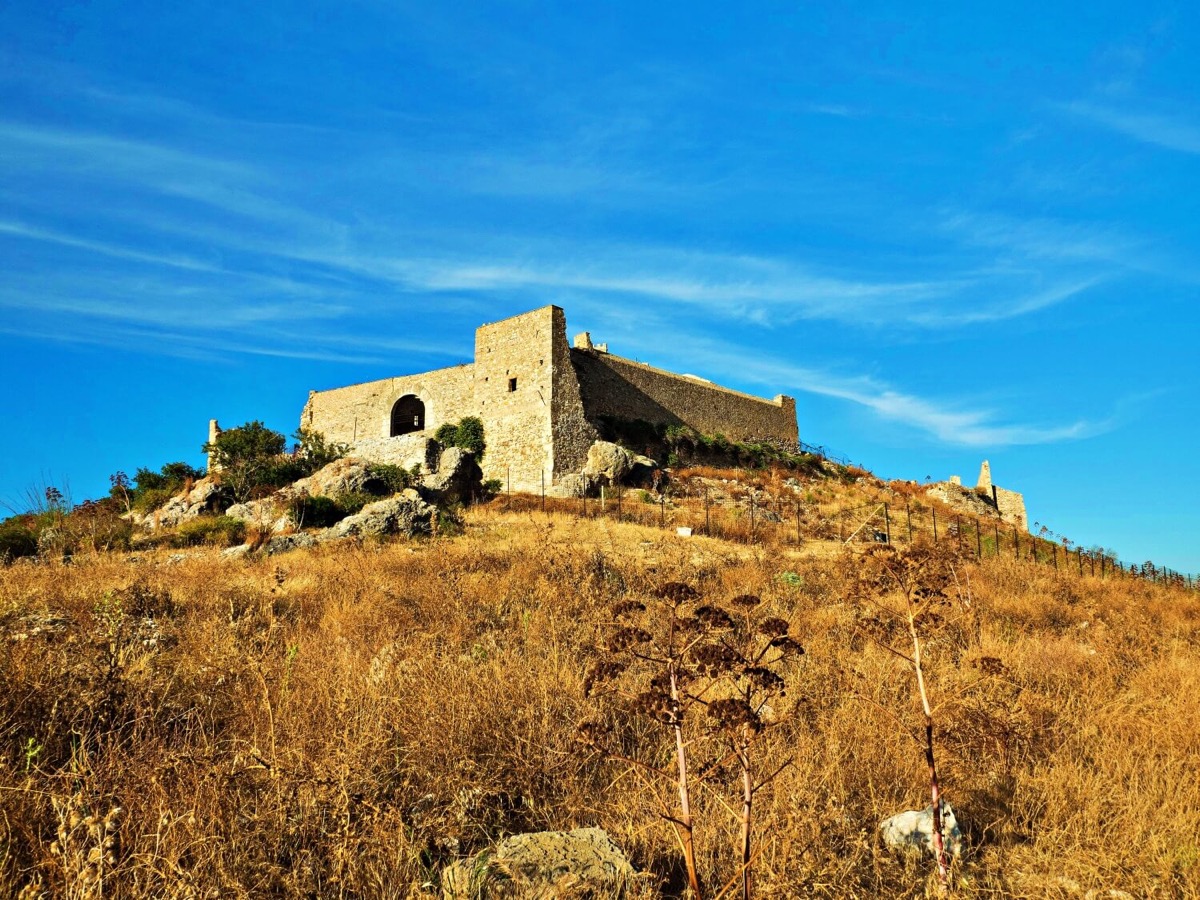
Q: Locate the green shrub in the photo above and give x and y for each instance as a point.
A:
(467, 434)
(394, 478)
(315, 512)
(217, 531)
(17, 539)
(354, 501)
(152, 498)
(314, 452)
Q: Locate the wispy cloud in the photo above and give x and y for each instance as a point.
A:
(1172, 132)
(953, 423)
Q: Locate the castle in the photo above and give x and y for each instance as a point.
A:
(985, 500)
(541, 401)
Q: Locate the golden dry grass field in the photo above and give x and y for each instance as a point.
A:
(342, 722)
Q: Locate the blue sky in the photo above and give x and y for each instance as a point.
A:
(951, 233)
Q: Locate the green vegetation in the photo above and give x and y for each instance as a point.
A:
(17, 538)
(218, 531)
(680, 445)
(251, 460)
(395, 478)
(467, 434)
(149, 489)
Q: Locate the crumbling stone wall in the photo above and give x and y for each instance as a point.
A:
(986, 500)
(613, 386)
(538, 399)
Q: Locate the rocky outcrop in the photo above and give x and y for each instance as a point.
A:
(611, 464)
(583, 862)
(342, 476)
(458, 476)
(206, 497)
(406, 514)
(607, 463)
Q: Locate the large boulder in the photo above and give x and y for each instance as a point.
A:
(406, 514)
(583, 862)
(608, 463)
(342, 476)
(572, 486)
(268, 514)
(458, 476)
(205, 497)
(912, 830)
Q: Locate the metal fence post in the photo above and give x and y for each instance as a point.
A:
(978, 541)
(662, 510)
(887, 523)
(543, 490)
(908, 519)
(707, 522)
(934, 511)
(797, 521)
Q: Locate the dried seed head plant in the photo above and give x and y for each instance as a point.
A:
(711, 675)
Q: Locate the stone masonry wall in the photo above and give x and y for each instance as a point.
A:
(1012, 508)
(538, 399)
(513, 384)
(613, 386)
(364, 411)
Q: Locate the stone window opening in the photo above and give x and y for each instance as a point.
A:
(408, 415)
(512, 385)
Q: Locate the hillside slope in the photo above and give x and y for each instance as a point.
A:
(346, 720)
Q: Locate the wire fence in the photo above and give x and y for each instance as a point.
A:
(747, 518)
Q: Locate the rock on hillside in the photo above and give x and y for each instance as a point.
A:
(583, 862)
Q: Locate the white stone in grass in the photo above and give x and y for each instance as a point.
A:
(913, 830)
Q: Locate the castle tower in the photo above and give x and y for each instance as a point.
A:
(985, 476)
(517, 376)
(214, 432)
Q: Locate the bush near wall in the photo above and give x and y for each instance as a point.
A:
(467, 434)
(678, 445)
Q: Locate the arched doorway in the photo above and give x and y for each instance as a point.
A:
(408, 415)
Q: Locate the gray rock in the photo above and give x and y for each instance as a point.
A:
(543, 864)
(572, 486)
(268, 514)
(205, 497)
(282, 543)
(458, 476)
(349, 475)
(913, 830)
(235, 552)
(406, 514)
(608, 462)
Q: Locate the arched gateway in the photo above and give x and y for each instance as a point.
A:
(408, 415)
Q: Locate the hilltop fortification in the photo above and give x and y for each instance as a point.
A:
(541, 401)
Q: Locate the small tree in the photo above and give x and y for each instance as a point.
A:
(246, 457)
(315, 452)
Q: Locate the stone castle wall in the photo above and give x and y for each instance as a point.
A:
(614, 386)
(362, 412)
(514, 386)
(1012, 508)
(539, 400)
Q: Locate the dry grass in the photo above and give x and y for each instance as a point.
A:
(342, 722)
